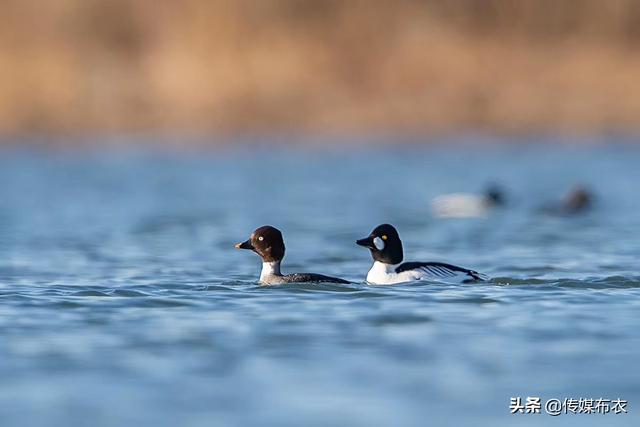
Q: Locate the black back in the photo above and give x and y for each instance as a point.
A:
(311, 277)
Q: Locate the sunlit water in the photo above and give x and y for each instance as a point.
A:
(123, 301)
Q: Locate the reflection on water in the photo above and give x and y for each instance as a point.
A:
(123, 301)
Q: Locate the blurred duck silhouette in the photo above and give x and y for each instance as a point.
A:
(576, 201)
(468, 205)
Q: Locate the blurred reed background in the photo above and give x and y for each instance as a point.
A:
(327, 65)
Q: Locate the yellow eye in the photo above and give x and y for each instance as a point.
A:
(384, 237)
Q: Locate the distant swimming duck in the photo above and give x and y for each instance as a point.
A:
(386, 250)
(267, 242)
(465, 205)
(576, 201)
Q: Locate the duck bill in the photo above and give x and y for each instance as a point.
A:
(244, 245)
(367, 242)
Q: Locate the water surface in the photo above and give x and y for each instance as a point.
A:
(123, 302)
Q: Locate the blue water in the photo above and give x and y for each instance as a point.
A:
(123, 301)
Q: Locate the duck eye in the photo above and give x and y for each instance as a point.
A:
(261, 238)
(384, 237)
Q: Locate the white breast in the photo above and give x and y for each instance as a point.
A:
(385, 274)
(270, 272)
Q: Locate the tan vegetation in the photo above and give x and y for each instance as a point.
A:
(350, 65)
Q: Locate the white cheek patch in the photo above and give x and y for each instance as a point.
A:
(378, 243)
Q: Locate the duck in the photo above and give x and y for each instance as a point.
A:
(467, 205)
(577, 201)
(268, 243)
(388, 269)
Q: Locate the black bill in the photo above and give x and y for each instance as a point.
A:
(244, 245)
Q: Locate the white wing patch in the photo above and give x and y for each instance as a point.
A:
(440, 271)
